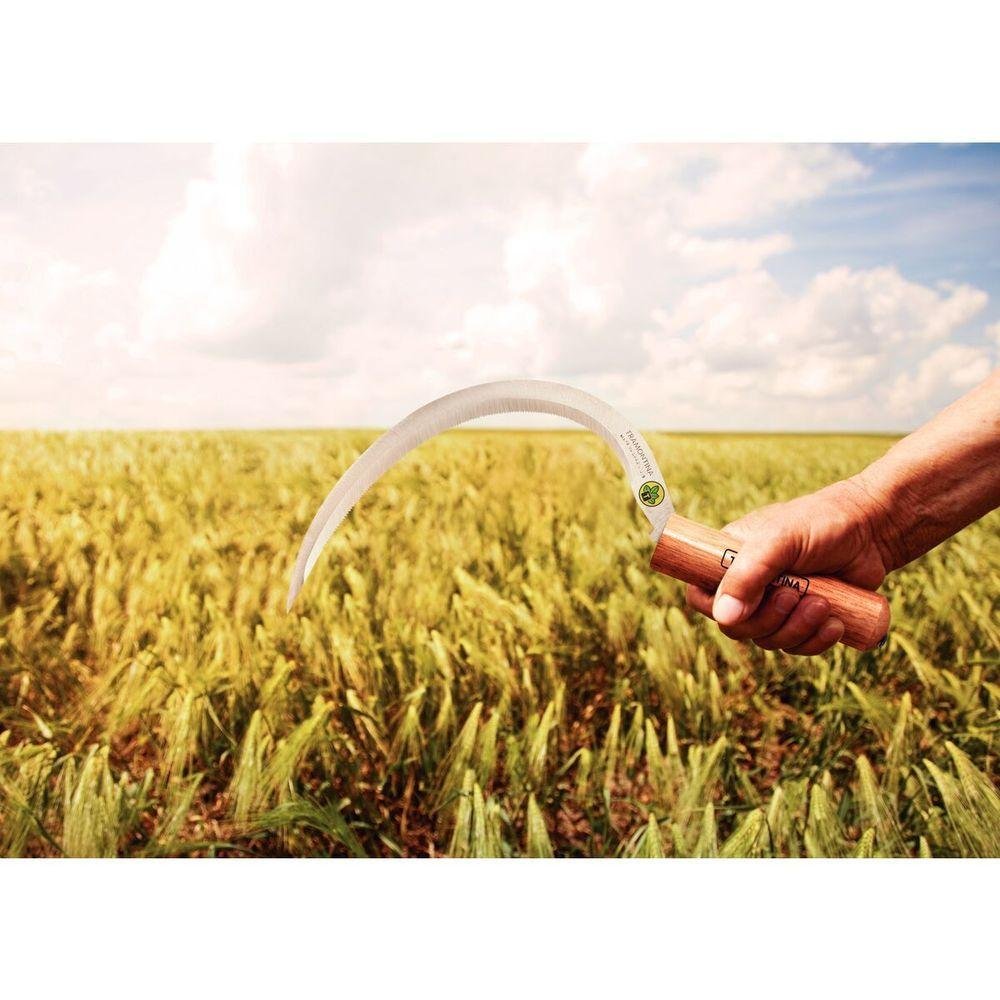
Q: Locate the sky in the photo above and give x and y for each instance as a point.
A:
(773, 287)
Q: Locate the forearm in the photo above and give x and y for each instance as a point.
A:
(938, 479)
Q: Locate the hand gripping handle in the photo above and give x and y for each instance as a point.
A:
(696, 554)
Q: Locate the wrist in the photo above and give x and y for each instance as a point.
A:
(885, 512)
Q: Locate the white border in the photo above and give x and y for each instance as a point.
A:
(771, 70)
(498, 929)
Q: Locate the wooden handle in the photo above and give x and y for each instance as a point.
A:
(691, 552)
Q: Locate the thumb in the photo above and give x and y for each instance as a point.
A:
(761, 557)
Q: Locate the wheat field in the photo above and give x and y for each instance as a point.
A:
(482, 663)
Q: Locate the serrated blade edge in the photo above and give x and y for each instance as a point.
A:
(488, 399)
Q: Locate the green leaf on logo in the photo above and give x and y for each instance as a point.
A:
(650, 494)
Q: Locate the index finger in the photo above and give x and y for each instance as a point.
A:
(700, 599)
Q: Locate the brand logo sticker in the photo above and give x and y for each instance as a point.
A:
(652, 494)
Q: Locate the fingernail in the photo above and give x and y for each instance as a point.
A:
(832, 630)
(727, 610)
(785, 601)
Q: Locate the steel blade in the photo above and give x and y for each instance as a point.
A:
(488, 399)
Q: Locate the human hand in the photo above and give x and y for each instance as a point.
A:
(834, 532)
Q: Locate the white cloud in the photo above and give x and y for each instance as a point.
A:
(195, 290)
(724, 254)
(498, 341)
(541, 247)
(272, 256)
(317, 285)
(706, 187)
(744, 344)
(51, 309)
(841, 312)
(602, 162)
(941, 376)
(744, 183)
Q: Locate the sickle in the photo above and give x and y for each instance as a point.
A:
(684, 550)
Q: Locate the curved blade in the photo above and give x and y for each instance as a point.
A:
(491, 398)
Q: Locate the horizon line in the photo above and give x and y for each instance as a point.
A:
(459, 428)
